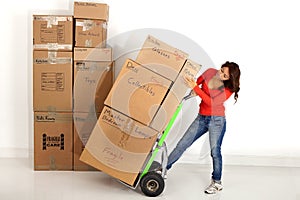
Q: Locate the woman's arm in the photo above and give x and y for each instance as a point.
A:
(200, 80)
(220, 98)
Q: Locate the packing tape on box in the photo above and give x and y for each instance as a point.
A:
(81, 66)
(53, 59)
(53, 46)
(88, 43)
(86, 24)
(53, 20)
(90, 24)
(53, 117)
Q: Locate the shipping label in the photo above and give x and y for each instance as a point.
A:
(53, 141)
(52, 81)
(52, 34)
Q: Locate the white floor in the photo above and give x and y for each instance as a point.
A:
(185, 182)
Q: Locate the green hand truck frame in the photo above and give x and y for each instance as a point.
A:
(151, 179)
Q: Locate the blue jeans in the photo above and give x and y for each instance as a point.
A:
(216, 126)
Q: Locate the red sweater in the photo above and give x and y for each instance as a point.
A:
(212, 100)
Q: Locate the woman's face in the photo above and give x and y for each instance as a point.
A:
(224, 73)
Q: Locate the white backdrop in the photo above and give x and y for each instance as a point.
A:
(261, 36)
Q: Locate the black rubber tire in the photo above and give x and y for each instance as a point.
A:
(152, 184)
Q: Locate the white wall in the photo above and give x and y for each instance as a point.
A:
(261, 36)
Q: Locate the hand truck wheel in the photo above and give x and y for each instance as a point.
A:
(152, 184)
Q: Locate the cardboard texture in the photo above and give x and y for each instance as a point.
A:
(91, 10)
(93, 78)
(162, 58)
(178, 90)
(52, 81)
(53, 32)
(90, 33)
(83, 126)
(137, 92)
(92, 83)
(119, 145)
(53, 143)
(93, 54)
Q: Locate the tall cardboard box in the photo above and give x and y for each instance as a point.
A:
(83, 126)
(93, 78)
(91, 10)
(161, 57)
(137, 92)
(52, 81)
(119, 145)
(53, 141)
(53, 32)
(90, 33)
(178, 90)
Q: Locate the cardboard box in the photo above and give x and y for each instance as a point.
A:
(93, 54)
(83, 127)
(93, 78)
(53, 32)
(90, 10)
(90, 33)
(137, 92)
(119, 145)
(178, 90)
(92, 83)
(161, 57)
(53, 143)
(190, 69)
(52, 81)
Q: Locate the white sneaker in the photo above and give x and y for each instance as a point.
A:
(214, 187)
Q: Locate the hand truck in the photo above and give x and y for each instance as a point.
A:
(151, 179)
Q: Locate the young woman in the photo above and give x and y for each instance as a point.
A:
(214, 87)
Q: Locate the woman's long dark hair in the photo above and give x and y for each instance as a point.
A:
(233, 84)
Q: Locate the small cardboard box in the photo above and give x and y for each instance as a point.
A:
(90, 10)
(53, 141)
(119, 145)
(137, 92)
(92, 83)
(83, 127)
(53, 32)
(90, 33)
(161, 58)
(52, 81)
(175, 95)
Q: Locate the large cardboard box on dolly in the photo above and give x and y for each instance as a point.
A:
(53, 143)
(119, 145)
(52, 81)
(177, 92)
(90, 33)
(161, 58)
(137, 92)
(53, 32)
(91, 10)
(93, 78)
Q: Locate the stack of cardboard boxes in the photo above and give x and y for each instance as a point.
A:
(93, 72)
(137, 109)
(52, 91)
(72, 75)
(83, 120)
